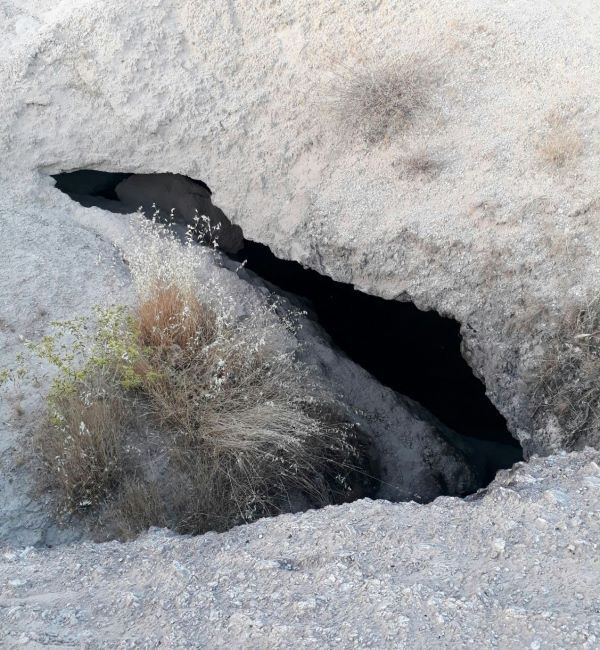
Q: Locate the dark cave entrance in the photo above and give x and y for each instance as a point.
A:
(93, 188)
(417, 353)
(414, 352)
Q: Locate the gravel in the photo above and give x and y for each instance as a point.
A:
(515, 566)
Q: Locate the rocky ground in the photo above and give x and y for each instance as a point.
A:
(515, 566)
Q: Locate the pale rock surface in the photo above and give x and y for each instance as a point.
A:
(52, 269)
(499, 229)
(517, 566)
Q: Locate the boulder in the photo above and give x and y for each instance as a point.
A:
(188, 203)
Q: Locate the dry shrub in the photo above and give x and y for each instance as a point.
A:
(137, 506)
(82, 446)
(568, 384)
(174, 413)
(376, 101)
(245, 429)
(419, 163)
(561, 143)
(172, 316)
(561, 147)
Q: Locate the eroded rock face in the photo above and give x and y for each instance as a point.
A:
(484, 205)
(479, 200)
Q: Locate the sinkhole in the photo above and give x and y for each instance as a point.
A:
(416, 353)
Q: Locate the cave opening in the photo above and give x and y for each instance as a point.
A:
(416, 353)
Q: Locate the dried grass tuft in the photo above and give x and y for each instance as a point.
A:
(561, 143)
(376, 101)
(172, 316)
(174, 413)
(82, 446)
(568, 383)
(137, 506)
(418, 163)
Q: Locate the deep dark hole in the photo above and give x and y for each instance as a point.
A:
(417, 353)
(84, 184)
(414, 352)
(89, 183)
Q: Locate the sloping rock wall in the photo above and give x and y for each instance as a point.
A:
(59, 266)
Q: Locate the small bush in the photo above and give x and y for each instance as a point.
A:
(376, 101)
(135, 506)
(561, 143)
(174, 412)
(560, 147)
(171, 316)
(568, 385)
(418, 163)
(84, 447)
